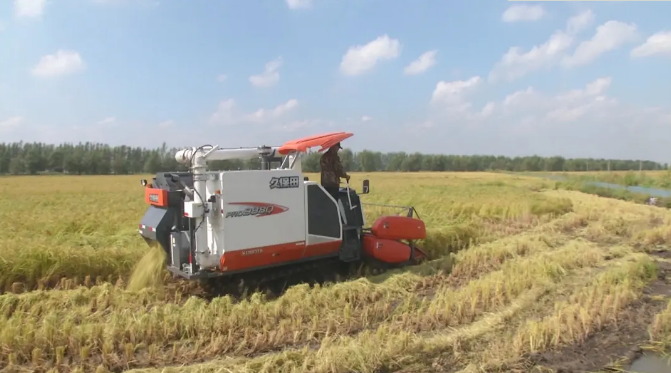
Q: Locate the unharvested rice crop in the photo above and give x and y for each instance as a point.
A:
(521, 276)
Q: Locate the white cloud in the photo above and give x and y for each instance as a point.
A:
(598, 86)
(285, 107)
(582, 122)
(228, 113)
(270, 76)
(262, 115)
(659, 43)
(426, 124)
(11, 123)
(451, 98)
(166, 124)
(530, 106)
(561, 106)
(488, 109)
(260, 124)
(366, 118)
(302, 125)
(362, 58)
(108, 120)
(221, 77)
(423, 63)
(516, 13)
(451, 93)
(225, 113)
(579, 22)
(515, 63)
(29, 8)
(609, 36)
(518, 98)
(62, 62)
(299, 4)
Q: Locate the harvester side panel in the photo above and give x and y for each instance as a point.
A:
(265, 220)
(156, 225)
(180, 250)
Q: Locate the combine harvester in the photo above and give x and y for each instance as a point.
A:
(252, 228)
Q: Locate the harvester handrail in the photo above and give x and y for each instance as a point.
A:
(384, 205)
(349, 197)
(411, 209)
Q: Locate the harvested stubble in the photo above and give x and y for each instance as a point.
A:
(571, 319)
(391, 346)
(586, 311)
(589, 309)
(529, 248)
(302, 316)
(660, 331)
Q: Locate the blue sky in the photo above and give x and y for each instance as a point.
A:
(493, 77)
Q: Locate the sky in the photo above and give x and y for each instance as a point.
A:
(576, 79)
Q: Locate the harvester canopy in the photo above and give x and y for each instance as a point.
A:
(325, 140)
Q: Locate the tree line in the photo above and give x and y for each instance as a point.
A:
(101, 159)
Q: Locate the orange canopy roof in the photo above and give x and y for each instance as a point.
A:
(325, 140)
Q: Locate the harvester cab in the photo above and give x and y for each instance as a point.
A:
(227, 223)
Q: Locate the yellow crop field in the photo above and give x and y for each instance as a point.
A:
(521, 277)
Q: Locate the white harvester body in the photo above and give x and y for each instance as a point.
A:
(213, 223)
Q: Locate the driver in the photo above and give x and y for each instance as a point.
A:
(332, 171)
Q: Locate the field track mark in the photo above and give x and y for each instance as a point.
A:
(168, 351)
(443, 338)
(423, 346)
(615, 343)
(429, 340)
(560, 291)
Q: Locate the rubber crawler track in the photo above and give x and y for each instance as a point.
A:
(273, 282)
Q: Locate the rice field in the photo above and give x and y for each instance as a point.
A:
(650, 179)
(522, 278)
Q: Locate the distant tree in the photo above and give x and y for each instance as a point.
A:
(412, 163)
(100, 159)
(5, 159)
(347, 159)
(395, 161)
(16, 166)
(153, 163)
(311, 162)
(370, 161)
